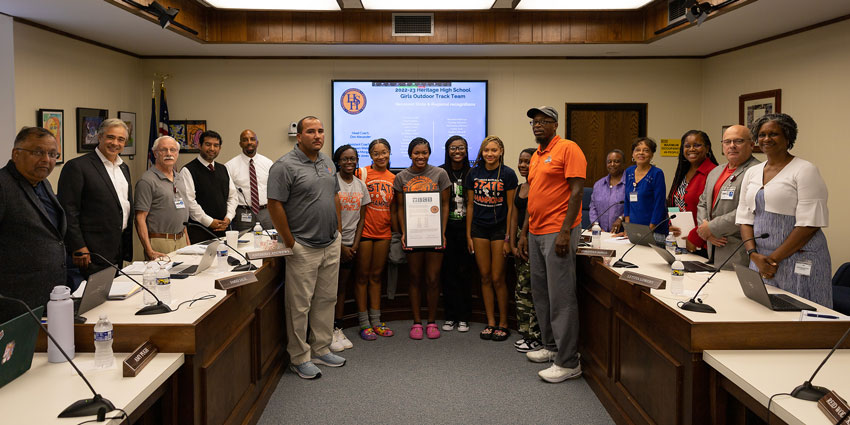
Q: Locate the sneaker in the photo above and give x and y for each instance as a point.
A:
(462, 326)
(449, 325)
(368, 334)
(329, 359)
(306, 370)
(529, 345)
(383, 330)
(416, 331)
(541, 356)
(519, 342)
(432, 331)
(346, 343)
(336, 345)
(557, 373)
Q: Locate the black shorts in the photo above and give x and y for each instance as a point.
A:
(491, 232)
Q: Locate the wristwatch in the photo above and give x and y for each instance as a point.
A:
(750, 252)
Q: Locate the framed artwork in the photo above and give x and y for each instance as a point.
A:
(753, 106)
(177, 130)
(188, 134)
(88, 121)
(129, 118)
(54, 121)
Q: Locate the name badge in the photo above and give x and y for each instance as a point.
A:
(178, 203)
(803, 267)
(727, 194)
(247, 217)
(633, 197)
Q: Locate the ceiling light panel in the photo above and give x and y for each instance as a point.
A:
(427, 5)
(581, 4)
(275, 4)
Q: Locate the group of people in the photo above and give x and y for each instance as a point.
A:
(339, 219)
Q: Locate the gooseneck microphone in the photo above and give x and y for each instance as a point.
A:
(628, 265)
(600, 215)
(697, 305)
(239, 189)
(86, 406)
(158, 308)
(807, 391)
(245, 267)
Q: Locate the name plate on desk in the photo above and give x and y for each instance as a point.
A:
(835, 408)
(139, 358)
(585, 239)
(596, 252)
(235, 281)
(643, 280)
(278, 251)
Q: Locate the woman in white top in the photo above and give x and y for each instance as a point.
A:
(786, 197)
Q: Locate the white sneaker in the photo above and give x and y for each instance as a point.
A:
(555, 373)
(462, 326)
(541, 356)
(344, 340)
(336, 345)
(449, 325)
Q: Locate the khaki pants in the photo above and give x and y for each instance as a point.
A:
(167, 246)
(312, 276)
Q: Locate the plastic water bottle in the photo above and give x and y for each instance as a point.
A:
(60, 324)
(677, 278)
(221, 259)
(149, 282)
(163, 284)
(103, 357)
(671, 244)
(596, 236)
(258, 235)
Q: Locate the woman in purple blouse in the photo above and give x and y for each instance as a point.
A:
(609, 191)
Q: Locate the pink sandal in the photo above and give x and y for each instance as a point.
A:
(432, 331)
(416, 331)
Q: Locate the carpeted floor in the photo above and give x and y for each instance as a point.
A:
(457, 378)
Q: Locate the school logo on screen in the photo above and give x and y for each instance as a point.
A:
(353, 101)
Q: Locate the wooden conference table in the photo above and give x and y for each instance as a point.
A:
(233, 343)
(642, 355)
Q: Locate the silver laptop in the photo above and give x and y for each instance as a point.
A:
(690, 266)
(637, 234)
(194, 269)
(754, 289)
(96, 291)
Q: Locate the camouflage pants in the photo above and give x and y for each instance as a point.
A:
(525, 315)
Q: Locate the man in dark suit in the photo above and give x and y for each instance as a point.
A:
(95, 191)
(32, 222)
(211, 194)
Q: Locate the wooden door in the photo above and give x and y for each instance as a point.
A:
(600, 127)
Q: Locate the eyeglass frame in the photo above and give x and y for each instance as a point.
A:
(541, 123)
(737, 142)
(40, 153)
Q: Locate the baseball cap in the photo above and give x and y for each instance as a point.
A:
(545, 110)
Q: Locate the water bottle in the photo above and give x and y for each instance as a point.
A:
(670, 244)
(258, 235)
(60, 324)
(677, 278)
(149, 282)
(596, 236)
(163, 285)
(103, 357)
(221, 260)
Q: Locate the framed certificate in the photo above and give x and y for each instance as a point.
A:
(422, 225)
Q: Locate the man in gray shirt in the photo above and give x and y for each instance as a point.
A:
(304, 206)
(160, 203)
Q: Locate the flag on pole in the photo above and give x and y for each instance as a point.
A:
(152, 134)
(163, 111)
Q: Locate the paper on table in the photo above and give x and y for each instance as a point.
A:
(137, 267)
(192, 250)
(685, 221)
(122, 289)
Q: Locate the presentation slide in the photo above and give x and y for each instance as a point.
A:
(400, 111)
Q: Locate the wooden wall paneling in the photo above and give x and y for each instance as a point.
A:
(442, 27)
(465, 29)
(655, 17)
(227, 376)
(270, 330)
(310, 30)
(550, 28)
(326, 28)
(616, 26)
(233, 27)
(257, 27)
(483, 28)
(578, 28)
(595, 319)
(370, 29)
(351, 27)
(537, 27)
(275, 23)
(525, 27)
(504, 27)
(299, 27)
(597, 28)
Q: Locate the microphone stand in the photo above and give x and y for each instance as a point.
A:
(807, 391)
(244, 267)
(628, 265)
(696, 305)
(600, 215)
(86, 406)
(158, 308)
(239, 189)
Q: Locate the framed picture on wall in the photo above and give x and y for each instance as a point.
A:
(54, 121)
(177, 130)
(194, 129)
(88, 121)
(129, 118)
(753, 106)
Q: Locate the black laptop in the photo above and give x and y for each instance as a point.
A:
(754, 289)
(690, 266)
(17, 342)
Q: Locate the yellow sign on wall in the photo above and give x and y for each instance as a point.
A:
(670, 147)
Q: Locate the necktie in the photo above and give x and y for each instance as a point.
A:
(255, 194)
(210, 166)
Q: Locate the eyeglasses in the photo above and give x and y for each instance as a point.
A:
(544, 122)
(737, 142)
(763, 136)
(344, 160)
(457, 148)
(168, 150)
(694, 146)
(40, 153)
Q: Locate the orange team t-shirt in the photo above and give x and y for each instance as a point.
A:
(376, 225)
(549, 192)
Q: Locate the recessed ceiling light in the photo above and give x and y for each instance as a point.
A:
(275, 4)
(427, 4)
(580, 4)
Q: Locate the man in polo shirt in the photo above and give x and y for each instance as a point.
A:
(549, 240)
(160, 203)
(304, 206)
